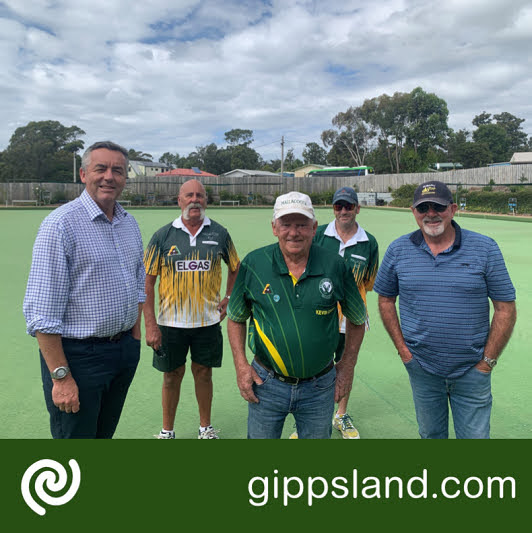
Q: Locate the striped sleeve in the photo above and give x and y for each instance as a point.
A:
(500, 287)
(352, 304)
(230, 254)
(152, 256)
(386, 282)
(239, 309)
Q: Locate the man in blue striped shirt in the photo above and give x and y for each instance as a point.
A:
(83, 300)
(445, 277)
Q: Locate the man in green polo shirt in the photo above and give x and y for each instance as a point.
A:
(290, 291)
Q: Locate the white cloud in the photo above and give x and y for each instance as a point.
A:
(163, 76)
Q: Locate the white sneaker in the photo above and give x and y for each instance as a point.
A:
(209, 433)
(165, 434)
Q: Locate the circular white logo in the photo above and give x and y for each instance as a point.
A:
(54, 479)
(326, 288)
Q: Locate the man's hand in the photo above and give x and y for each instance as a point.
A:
(245, 377)
(153, 336)
(65, 394)
(222, 308)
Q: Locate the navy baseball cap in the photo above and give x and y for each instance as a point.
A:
(433, 191)
(347, 194)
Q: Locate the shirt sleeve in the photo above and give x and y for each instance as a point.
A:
(239, 308)
(48, 285)
(373, 266)
(152, 256)
(352, 304)
(230, 255)
(141, 273)
(500, 286)
(386, 282)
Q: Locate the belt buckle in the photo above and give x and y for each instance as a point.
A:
(116, 337)
(291, 380)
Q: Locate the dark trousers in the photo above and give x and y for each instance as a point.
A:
(103, 372)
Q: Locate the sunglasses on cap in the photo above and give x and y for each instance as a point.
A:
(343, 205)
(425, 206)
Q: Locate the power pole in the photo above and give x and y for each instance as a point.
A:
(74, 155)
(282, 156)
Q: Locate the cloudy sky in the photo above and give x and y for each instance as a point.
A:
(170, 75)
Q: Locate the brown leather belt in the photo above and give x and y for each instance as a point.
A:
(292, 380)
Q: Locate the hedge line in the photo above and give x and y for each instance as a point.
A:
(484, 201)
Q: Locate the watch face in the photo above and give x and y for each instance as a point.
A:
(60, 373)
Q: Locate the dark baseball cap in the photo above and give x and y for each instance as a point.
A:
(347, 194)
(433, 191)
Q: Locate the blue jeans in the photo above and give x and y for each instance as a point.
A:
(469, 397)
(310, 402)
(103, 372)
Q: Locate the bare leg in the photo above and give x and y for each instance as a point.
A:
(342, 405)
(170, 395)
(204, 391)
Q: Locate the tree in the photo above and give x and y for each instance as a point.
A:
(42, 151)
(244, 157)
(238, 136)
(427, 121)
(518, 139)
(353, 132)
(456, 142)
(483, 118)
(170, 159)
(389, 115)
(133, 155)
(502, 133)
(495, 138)
(314, 154)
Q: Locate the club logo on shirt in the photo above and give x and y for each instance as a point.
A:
(276, 297)
(192, 266)
(267, 289)
(174, 250)
(326, 288)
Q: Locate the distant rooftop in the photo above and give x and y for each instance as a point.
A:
(521, 158)
(193, 172)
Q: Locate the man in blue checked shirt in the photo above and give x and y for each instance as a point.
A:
(445, 277)
(84, 299)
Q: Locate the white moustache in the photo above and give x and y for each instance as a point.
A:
(186, 211)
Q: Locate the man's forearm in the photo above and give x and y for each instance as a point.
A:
(354, 335)
(502, 325)
(236, 332)
(390, 319)
(51, 347)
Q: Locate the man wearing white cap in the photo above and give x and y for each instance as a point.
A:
(290, 291)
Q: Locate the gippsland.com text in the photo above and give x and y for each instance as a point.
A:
(282, 490)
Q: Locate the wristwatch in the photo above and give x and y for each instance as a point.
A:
(491, 362)
(60, 372)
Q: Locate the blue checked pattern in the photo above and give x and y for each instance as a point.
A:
(87, 274)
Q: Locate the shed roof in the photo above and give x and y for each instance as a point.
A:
(187, 172)
(521, 157)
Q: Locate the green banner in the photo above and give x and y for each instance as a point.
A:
(264, 484)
